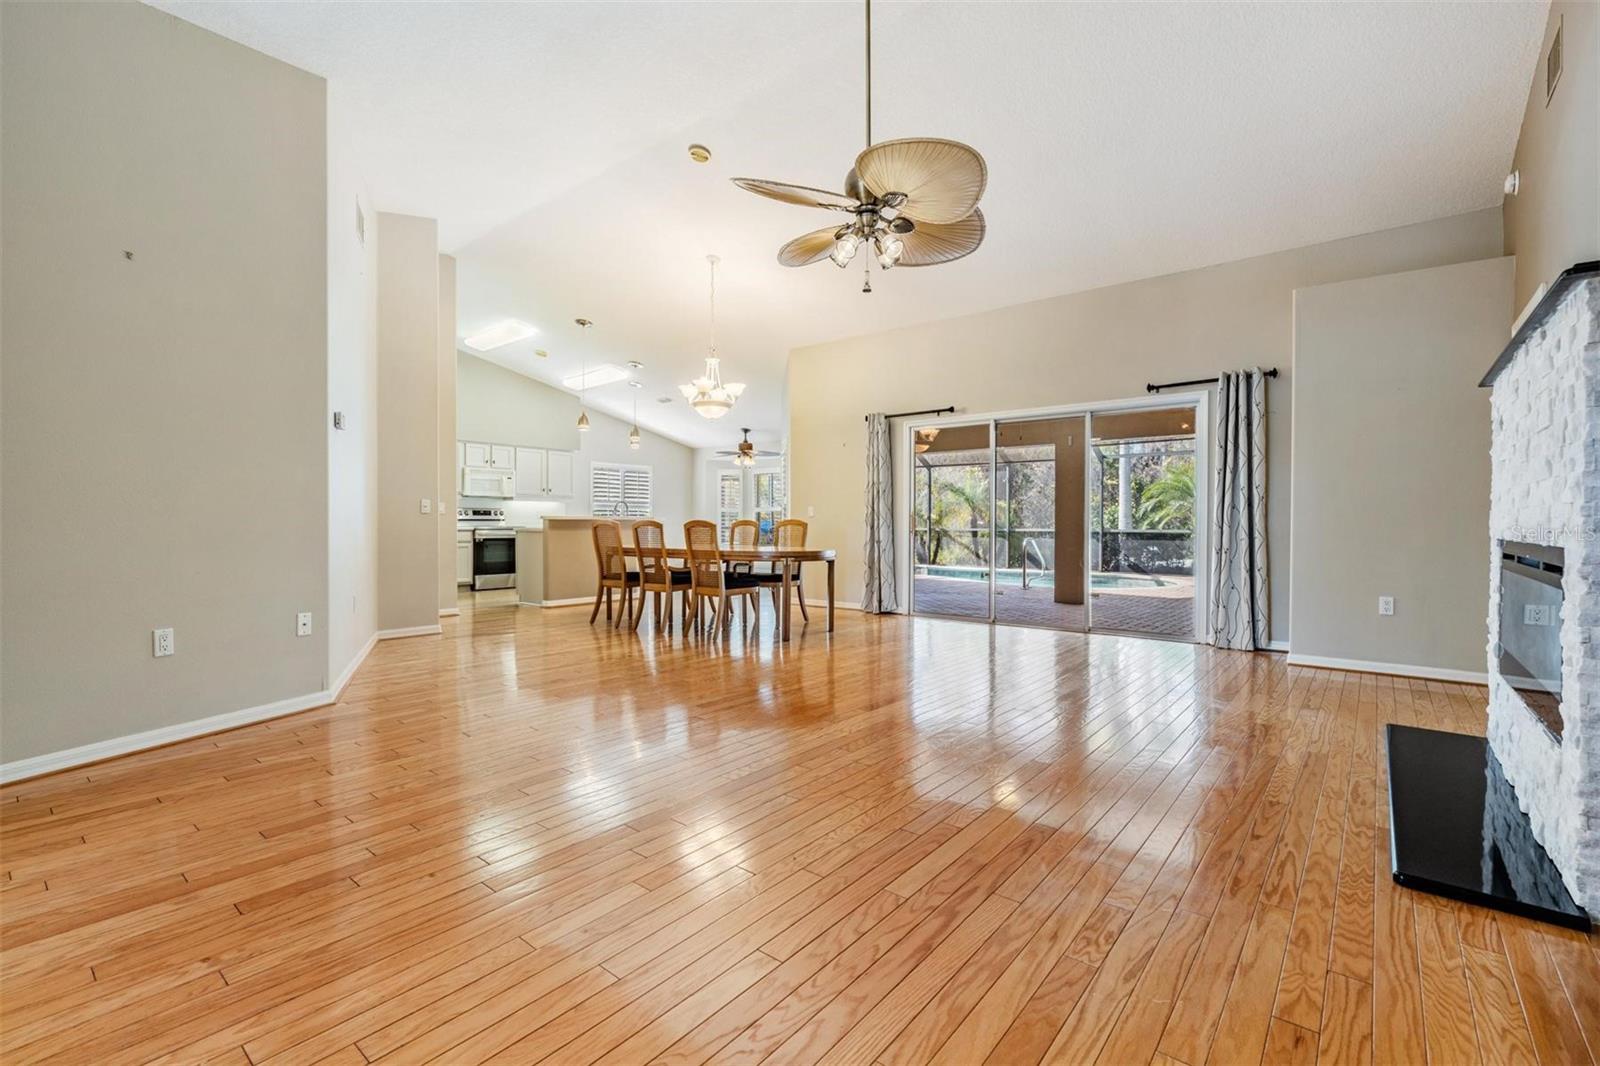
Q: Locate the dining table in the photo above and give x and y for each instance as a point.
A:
(786, 561)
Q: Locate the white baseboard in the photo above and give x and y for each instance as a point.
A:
(449, 612)
(155, 738)
(337, 688)
(579, 601)
(1431, 673)
(412, 631)
(838, 605)
(1277, 645)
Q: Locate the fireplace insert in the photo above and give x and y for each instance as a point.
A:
(1530, 627)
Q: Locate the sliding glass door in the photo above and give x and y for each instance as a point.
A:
(1077, 521)
(952, 507)
(1144, 499)
(1039, 523)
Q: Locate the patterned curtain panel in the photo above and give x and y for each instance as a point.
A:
(878, 594)
(1239, 513)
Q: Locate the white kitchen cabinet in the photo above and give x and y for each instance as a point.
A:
(543, 475)
(502, 456)
(530, 473)
(558, 475)
(476, 455)
(464, 558)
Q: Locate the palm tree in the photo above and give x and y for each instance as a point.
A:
(1168, 502)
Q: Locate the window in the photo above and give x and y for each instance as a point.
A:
(616, 489)
(771, 501)
(730, 499)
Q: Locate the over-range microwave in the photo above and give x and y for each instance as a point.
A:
(484, 481)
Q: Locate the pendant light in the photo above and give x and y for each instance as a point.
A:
(583, 377)
(707, 394)
(633, 430)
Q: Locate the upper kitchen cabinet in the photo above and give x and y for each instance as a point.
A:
(558, 474)
(543, 475)
(474, 455)
(502, 456)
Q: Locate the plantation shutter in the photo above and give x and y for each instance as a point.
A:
(611, 484)
(636, 489)
(729, 500)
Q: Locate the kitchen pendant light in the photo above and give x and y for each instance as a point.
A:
(583, 378)
(633, 430)
(707, 393)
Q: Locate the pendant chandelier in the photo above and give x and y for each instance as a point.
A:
(633, 430)
(583, 378)
(707, 393)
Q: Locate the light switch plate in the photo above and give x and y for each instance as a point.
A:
(426, 506)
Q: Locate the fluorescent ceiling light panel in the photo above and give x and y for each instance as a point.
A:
(604, 374)
(508, 332)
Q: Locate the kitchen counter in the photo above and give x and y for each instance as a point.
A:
(555, 563)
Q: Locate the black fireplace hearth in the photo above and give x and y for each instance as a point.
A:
(1455, 829)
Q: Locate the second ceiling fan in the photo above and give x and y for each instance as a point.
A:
(914, 201)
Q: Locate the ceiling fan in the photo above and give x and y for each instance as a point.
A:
(914, 200)
(747, 453)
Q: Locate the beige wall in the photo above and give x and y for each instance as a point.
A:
(501, 406)
(164, 447)
(1086, 347)
(408, 428)
(1554, 220)
(1391, 464)
(446, 492)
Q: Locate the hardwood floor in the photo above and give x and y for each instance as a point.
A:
(921, 841)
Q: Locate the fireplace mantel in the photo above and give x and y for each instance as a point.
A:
(1539, 315)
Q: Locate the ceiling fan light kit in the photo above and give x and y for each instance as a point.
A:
(914, 200)
(747, 453)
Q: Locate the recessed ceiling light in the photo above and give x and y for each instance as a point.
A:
(635, 384)
(508, 332)
(634, 364)
(663, 399)
(595, 376)
(541, 353)
(699, 153)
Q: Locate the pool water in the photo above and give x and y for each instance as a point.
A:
(1036, 579)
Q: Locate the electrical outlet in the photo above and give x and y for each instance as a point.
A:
(1386, 605)
(1538, 614)
(811, 512)
(302, 624)
(161, 642)
(426, 506)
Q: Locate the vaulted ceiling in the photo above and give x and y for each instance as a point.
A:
(1124, 140)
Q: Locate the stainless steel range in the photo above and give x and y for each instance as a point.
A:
(494, 547)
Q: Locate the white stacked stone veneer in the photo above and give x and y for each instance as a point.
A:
(1545, 489)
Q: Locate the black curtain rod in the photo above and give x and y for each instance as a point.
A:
(1197, 381)
(908, 414)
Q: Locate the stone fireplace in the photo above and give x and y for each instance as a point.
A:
(1544, 640)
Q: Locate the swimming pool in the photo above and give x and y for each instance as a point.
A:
(1045, 579)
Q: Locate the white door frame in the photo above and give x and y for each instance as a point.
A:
(903, 454)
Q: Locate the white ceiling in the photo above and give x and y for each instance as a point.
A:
(1123, 140)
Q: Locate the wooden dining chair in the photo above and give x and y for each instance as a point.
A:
(709, 580)
(657, 576)
(744, 533)
(788, 533)
(614, 572)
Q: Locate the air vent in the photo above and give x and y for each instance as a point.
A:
(1552, 63)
